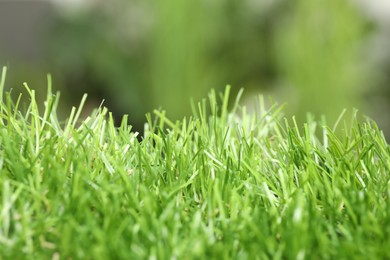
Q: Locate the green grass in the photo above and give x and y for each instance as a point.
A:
(220, 184)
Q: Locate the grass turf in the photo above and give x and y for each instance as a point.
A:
(220, 184)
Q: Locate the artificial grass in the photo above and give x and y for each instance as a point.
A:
(220, 184)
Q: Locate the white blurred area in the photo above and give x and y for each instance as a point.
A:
(71, 6)
(377, 10)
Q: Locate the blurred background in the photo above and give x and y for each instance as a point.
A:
(318, 56)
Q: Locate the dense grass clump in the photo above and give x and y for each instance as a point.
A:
(216, 185)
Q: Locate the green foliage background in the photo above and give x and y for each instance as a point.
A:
(141, 55)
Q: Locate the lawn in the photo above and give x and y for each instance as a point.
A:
(223, 183)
